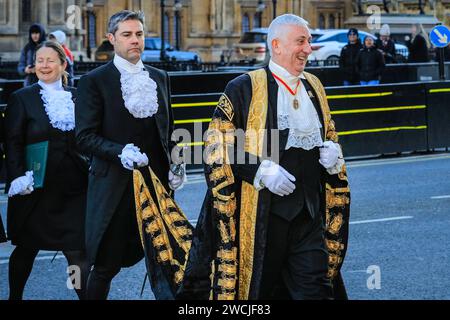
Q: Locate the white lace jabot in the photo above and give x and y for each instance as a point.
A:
(58, 105)
(303, 123)
(139, 91)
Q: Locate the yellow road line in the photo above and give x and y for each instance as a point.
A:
(439, 90)
(378, 109)
(359, 95)
(192, 121)
(191, 144)
(346, 133)
(195, 104)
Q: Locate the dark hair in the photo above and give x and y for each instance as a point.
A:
(353, 31)
(122, 16)
(61, 55)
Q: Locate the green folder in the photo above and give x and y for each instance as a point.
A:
(36, 160)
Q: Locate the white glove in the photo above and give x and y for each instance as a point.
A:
(331, 157)
(275, 178)
(131, 154)
(176, 181)
(329, 154)
(22, 185)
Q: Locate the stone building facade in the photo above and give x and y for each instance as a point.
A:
(206, 26)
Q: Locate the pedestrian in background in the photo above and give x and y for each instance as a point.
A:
(370, 63)
(347, 60)
(2, 139)
(418, 44)
(60, 37)
(26, 67)
(386, 45)
(50, 217)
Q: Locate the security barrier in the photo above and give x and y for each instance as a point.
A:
(371, 120)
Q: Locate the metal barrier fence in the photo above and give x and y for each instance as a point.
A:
(381, 119)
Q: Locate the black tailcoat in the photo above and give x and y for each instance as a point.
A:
(103, 127)
(51, 217)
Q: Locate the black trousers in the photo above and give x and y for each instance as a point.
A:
(120, 246)
(296, 259)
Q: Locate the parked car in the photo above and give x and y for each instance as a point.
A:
(252, 47)
(152, 52)
(328, 46)
(105, 51)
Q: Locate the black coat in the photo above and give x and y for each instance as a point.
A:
(418, 49)
(370, 64)
(52, 217)
(347, 61)
(388, 50)
(103, 127)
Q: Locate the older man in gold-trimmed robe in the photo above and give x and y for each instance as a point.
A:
(272, 229)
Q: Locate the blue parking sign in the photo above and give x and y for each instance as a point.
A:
(440, 36)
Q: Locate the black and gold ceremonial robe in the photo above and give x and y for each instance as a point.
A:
(222, 258)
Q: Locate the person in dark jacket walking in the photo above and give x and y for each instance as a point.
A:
(36, 35)
(2, 139)
(347, 60)
(369, 63)
(386, 45)
(418, 45)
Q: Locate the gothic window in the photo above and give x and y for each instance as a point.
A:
(245, 23)
(331, 21)
(321, 24)
(167, 28)
(26, 10)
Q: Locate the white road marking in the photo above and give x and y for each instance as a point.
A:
(381, 220)
(194, 222)
(441, 197)
(379, 162)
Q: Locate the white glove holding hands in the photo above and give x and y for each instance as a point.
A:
(131, 154)
(177, 181)
(275, 178)
(331, 157)
(22, 185)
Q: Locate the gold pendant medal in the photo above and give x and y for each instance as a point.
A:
(295, 104)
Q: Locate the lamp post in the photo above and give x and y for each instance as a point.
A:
(162, 55)
(177, 8)
(89, 8)
(274, 8)
(259, 9)
(421, 7)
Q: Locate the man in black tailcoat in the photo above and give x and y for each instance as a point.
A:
(124, 120)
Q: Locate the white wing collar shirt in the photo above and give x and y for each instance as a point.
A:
(139, 91)
(303, 122)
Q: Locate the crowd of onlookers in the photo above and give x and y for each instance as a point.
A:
(36, 36)
(363, 63)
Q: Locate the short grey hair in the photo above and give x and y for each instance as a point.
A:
(281, 21)
(122, 16)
